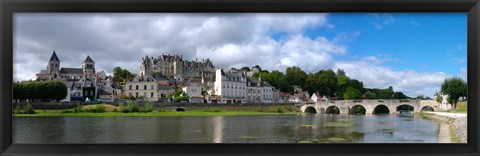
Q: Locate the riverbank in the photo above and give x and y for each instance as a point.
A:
(110, 110)
(457, 126)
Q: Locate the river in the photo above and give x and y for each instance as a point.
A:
(304, 128)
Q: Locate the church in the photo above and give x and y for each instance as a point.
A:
(54, 72)
(81, 82)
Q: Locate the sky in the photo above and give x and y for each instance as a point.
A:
(412, 52)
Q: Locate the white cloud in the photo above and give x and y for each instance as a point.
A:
(410, 82)
(382, 20)
(414, 23)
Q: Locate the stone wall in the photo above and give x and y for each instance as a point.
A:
(457, 123)
(48, 105)
(68, 105)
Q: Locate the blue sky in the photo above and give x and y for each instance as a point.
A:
(413, 52)
(422, 42)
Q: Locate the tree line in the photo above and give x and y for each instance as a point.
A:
(40, 90)
(326, 82)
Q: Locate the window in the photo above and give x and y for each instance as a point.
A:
(151, 94)
(129, 87)
(152, 87)
(145, 87)
(136, 94)
(136, 87)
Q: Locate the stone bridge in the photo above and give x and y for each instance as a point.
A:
(370, 106)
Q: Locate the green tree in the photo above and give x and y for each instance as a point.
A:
(296, 76)
(324, 82)
(177, 92)
(370, 95)
(328, 82)
(343, 81)
(120, 74)
(438, 98)
(245, 68)
(40, 90)
(400, 95)
(352, 93)
(455, 88)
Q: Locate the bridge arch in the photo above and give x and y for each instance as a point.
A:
(357, 109)
(310, 109)
(405, 107)
(332, 110)
(381, 109)
(427, 108)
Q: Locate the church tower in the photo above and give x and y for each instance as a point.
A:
(53, 67)
(88, 67)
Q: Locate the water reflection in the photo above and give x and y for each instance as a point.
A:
(227, 129)
(217, 124)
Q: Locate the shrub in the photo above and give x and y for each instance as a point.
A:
(121, 106)
(148, 107)
(28, 109)
(279, 109)
(100, 108)
(18, 109)
(181, 98)
(261, 109)
(133, 107)
(78, 108)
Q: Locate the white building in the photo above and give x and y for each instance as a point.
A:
(254, 91)
(316, 97)
(267, 93)
(276, 96)
(142, 87)
(230, 86)
(444, 105)
(194, 90)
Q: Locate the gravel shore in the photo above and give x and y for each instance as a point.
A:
(458, 125)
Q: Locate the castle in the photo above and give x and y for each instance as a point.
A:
(54, 72)
(175, 66)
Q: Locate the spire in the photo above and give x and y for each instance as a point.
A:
(88, 59)
(54, 57)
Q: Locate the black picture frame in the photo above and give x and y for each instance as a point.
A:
(9, 7)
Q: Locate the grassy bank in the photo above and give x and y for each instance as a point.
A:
(453, 136)
(462, 107)
(110, 110)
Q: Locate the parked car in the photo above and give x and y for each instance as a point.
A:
(93, 102)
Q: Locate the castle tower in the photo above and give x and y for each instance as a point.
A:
(88, 67)
(145, 67)
(53, 67)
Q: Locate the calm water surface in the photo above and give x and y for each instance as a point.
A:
(226, 129)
